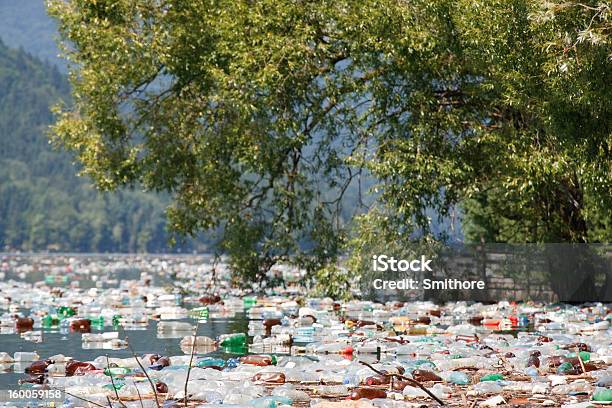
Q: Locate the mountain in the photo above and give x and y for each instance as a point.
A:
(25, 24)
(43, 204)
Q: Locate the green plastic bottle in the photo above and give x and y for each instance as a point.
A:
(602, 394)
(491, 377)
(249, 301)
(118, 385)
(65, 311)
(49, 321)
(199, 312)
(97, 321)
(584, 355)
(232, 340)
(240, 349)
(117, 371)
(565, 368)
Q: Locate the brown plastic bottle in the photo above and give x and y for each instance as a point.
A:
(424, 376)
(24, 323)
(476, 320)
(258, 360)
(161, 387)
(555, 361)
(151, 358)
(269, 323)
(38, 367)
(80, 325)
(270, 378)
(163, 361)
(424, 320)
(367, 393)
(377, 380)
(78, 368)
(580, 346)
(399, 385)
(533, 361)
(576, 363)
(210, 299)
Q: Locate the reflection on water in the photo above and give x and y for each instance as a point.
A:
(143, 338)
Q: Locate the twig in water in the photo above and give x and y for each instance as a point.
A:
(84, 399)
(195, 337)
(580, 360)
(139, 396)
(110, 404)
(110, 373)
(410, 380)
(144, 371)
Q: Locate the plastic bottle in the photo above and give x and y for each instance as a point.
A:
(566, 368)
(56, 369)
(491, 377)
(458, 378)
(602, 394)
(174, 326)
(424, 376)
(25, 356)
(367, 393)
(24, 323)
(65, 312)
(290, 392)
(249, 302)
(38, 367)
(377, 380)
(78, 367)
(81, 325)
(576, 387)
(269, 377)
(98, 337)
(210, 362)
(258, 360)
(488, 387)
(232, 340)
(199, 312)
(270, 402)
(50, 321)
(199, 341)
(116, 371)
(97, 321)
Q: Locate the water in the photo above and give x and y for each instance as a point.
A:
(143, 339)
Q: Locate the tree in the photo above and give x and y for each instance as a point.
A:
(251, 113)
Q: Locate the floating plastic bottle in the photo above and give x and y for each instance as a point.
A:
(116, 371)
(232, 340)
(492, 377)
(210, 362)
(367, 393)
(174, 326)
(458, 378)
(258, 360)
(602, 394)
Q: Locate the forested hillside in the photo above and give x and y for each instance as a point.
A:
(43, 204)
(26, 24)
